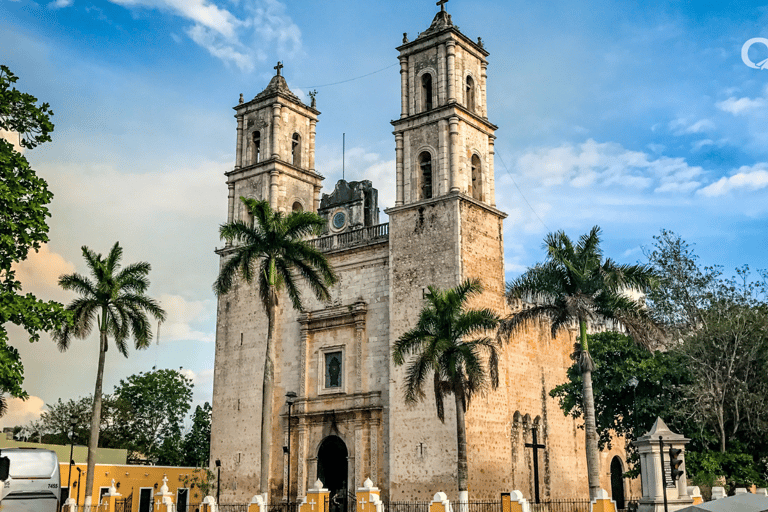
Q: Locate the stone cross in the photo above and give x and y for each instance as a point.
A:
(312, 504)
(280, 64)
(363, 502)
(442, 3)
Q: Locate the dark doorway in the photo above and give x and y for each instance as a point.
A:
(617, 482)
(145, 499)
(182, 497)
(332, 471)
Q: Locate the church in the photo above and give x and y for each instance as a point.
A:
(339, 412)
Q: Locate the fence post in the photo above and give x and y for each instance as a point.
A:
(368, 499)
(440, 503)
(316, 499)
(515, 501)
(209, 505)
(69, 505)
(695, 494)
(258, 503)
(602, 502)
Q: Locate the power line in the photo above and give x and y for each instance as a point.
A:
(519, 190)
(351, 79)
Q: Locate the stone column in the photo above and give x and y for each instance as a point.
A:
(442, 157)
(483, 81)
(275, 130)
(441, 75)
(399, 167)
(407, 168)
(359, 336)
(411, 87)
(230, 204)
(311, 469)
(491, 173)
(454, 150)
(311, 159)
(303, 342)
(359, 450)
(239, 149)
(274, 175)
(404, 87)
(301, 458)
(451, 63)
(373, 465)
(316, 199)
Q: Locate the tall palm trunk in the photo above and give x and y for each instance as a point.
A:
(93, 443)
(461, 442)
(268, 385)
(593, 456)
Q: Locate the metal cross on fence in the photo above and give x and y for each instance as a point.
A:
(536, 447)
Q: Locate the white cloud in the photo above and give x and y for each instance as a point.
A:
(60, 4)
(591, 163)
(41, 270)
(682, 126)
(738, 106)
(746, 178)
(239, 40)
(181, 315)
(21, 412)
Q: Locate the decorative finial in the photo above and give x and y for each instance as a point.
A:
(313, 95)
(405, 37)
(279, 67)
(241, 98)
(442, 3)
(480, 42)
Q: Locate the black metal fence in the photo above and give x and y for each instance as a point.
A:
(406, 506)
(582, 505)
(233, 508)
(282, 507)
(479, 506)
(124, 504)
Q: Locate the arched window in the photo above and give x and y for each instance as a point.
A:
(425, 165)
(256, 147)
(470, 93)
(426, 90)
(296, 149)
(476, 187)
(297, 207)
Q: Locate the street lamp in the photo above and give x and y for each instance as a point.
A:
(290, 398)
(218, 481)
(633, 382)
(73, 423)
(79, 474)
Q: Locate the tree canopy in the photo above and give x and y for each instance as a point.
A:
(24, 199)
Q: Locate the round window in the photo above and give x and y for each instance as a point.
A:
(339, 219)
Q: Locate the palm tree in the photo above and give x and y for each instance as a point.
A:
(575, 284)
(115, 298)
(447, 342)
(274, 250)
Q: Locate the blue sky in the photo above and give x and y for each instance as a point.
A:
(634, 116)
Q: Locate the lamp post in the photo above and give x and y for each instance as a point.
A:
(73, 423)
(79, 474)
(218, 481)
(633, 382)
(290, 398)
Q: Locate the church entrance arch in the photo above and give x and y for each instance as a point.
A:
(617, 482)
(332, 469)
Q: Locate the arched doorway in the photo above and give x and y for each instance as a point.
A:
(617, 482)
(332, 471)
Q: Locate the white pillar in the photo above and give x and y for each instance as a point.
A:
(239, 149)
(454, 150)
(275, 130)
(312, 130)
(403, 87)
(451, 60)
(399, 168)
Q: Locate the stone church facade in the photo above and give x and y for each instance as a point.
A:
(349, 420)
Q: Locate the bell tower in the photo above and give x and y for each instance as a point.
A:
(275, 156)
(443, 139)
(443, 229)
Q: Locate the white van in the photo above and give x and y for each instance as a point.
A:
(33, 482)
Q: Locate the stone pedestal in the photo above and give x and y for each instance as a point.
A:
(651, 471)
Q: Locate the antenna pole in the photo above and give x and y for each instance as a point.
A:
(343, 152)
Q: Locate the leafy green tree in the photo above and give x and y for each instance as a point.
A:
(273, 250)
(197, 442)
(24, 199)
(447, 343)
(155, 405)
(57, 420)
(574, 284)
(116, 299)
(620, 410)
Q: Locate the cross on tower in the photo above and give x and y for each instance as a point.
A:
(536, 447)
(280, 65)
(442, 3)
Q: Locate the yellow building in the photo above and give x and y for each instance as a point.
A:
(137, 484)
